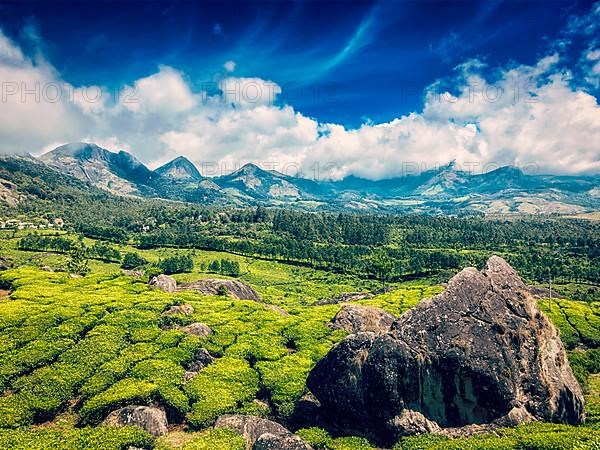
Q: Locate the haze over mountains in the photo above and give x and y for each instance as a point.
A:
(447, 189)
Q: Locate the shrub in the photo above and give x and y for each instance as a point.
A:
(219, 388)
(105, 438)
(285, 380)
(222, 290)
(124, 392)
(317, 437)
(133, 260)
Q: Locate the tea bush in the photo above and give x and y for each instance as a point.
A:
(219, 389)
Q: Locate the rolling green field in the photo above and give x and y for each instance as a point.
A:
(74, 348)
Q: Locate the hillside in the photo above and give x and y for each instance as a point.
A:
(443, 190)
(76, 348)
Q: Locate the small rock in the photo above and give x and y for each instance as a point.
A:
(201, 359)
(184, 310)
(151, 419)
(133, 273)
(250, 427)
(46, 269)
(307, 412)
(164, 283)
(413, 422)
(197, 329)
(188, 375)
(288, 441)
(357, 318)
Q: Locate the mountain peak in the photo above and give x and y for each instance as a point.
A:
(179, 168)
(78, 150)
(250, 168)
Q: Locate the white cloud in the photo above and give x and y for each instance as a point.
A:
(229, 66)
(490, 117)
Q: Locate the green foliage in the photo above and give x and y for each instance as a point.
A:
(122, 393)
(286, 380)
(99, 438)
(133, 260)
(317, 437)
(222, 290)
(225, 267)
(534, 436)
(86, 346)
(77, 263)
(214, 439)
(219, 389)
(177, 264)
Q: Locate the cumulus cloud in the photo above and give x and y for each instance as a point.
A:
(517, 114)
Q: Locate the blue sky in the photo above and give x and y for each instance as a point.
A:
(367, 57)
(353, 77)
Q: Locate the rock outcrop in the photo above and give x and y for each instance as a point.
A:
(207, 286)
(262, 434)
(358, 318)
(164, 283)
(479, 355)
(153, 420)
(234, 288)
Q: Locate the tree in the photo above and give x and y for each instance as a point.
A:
(381, 266)
(133, 260)
(176, 264)
(77, 262)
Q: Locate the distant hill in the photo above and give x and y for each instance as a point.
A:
(444, 190)
(253, 183)
(119, 173)
(180, 168)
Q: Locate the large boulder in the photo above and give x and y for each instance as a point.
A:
(153, 420)
(480, 354)
(164, 283)
(235, 289)
(357, 318)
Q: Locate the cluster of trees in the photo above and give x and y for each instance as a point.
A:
(176, 264)
(133, 260)
(224, 267)
(48, 243)
(37, 242)
(351, 229)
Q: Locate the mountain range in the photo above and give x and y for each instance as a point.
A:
(446, 189)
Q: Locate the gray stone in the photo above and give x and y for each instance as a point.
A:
(479, 354)
(197, 329)
(153, 420)
(250, 427)
(164, 283)
(184, 310)
(357, 318)
(287, 441)
(235, 289)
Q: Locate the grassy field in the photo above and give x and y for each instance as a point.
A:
(73, 349)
